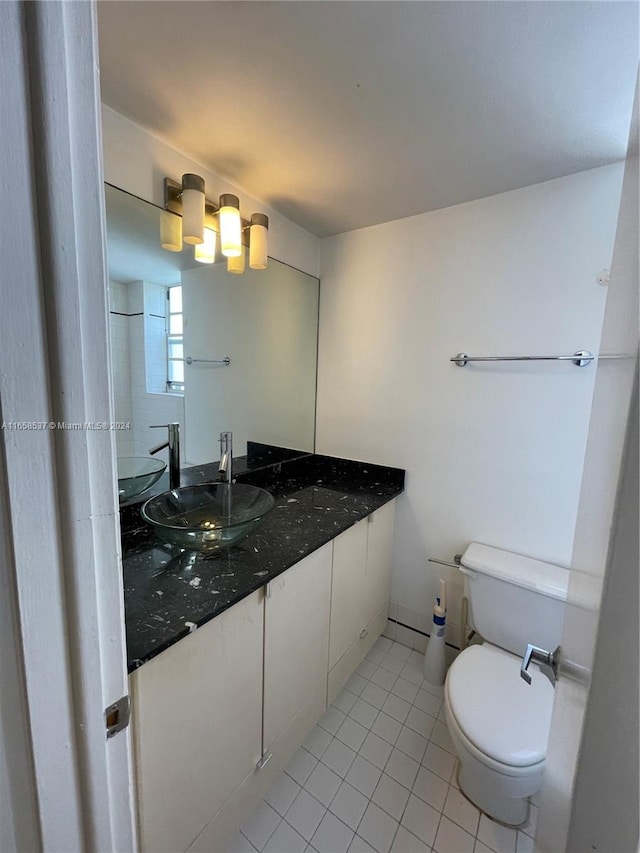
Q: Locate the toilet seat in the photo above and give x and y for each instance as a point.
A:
(503, 720)
(507, 771)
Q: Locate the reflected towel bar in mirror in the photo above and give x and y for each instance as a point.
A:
(226, 360)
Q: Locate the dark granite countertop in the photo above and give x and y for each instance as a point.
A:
(170, 592)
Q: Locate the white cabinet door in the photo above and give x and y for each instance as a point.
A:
(379, 544)
(347, 590)
(296, 644)
(197, 725)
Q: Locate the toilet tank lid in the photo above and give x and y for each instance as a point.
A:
(544, 578)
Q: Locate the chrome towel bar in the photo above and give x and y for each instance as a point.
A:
(454, 565)
(226, 360)
(581, 358)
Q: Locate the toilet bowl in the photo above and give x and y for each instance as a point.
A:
(498, 723)
(499, 726)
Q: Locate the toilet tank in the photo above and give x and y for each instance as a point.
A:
(514, 600)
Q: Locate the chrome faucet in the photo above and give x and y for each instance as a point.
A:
(173, 443)
(226, 456)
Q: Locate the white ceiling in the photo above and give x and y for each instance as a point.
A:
(345, 114)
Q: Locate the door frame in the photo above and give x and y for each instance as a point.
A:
(583, 772)
(62, 561)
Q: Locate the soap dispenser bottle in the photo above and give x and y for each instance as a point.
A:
(434, 658)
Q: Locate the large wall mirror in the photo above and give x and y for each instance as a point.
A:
(175, 321)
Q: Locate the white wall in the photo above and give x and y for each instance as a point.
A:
(492, 453)
(137, 161)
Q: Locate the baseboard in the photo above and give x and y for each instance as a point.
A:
(414, 638)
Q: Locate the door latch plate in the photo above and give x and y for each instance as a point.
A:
(117, 716)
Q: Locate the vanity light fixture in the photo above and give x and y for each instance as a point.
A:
(236, 265)
(170, 231)
(258, 234)
(199, 215)
(192, 209)
(230, 226)
(205, 252)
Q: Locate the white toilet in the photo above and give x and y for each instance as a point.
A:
(499, 724)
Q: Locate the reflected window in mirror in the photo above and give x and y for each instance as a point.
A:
(175, 344)
(159, 344)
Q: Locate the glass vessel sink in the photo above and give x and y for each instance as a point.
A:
(207, 517)
(136, 474)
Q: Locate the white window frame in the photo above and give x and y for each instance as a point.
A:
(173, 387)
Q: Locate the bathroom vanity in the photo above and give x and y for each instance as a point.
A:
(234, 657)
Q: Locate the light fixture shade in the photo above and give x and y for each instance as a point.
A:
(205, 252)
(170, 231)
(192, 209)
(258, 241)
(230, 226)
(236, 265)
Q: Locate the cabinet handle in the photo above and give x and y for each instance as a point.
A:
(363, 633)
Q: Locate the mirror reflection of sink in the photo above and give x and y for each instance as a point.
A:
(207, 517)
(136, 474)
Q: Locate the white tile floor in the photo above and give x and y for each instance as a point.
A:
(377, 775)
